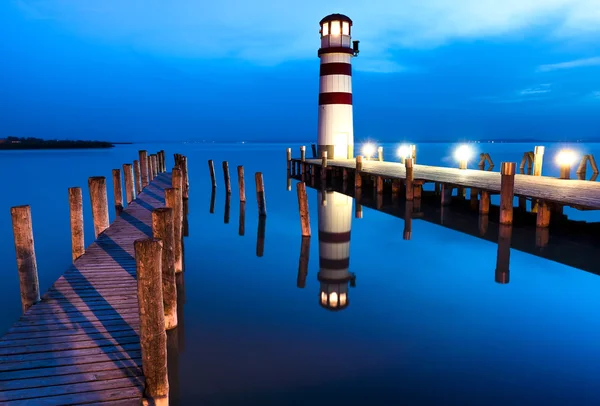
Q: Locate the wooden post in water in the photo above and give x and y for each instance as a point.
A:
(76, 214)
(357, 172)
(379, 181)
(484, 202)
(163, 228)
(543, 215)
(155, 165)
(173, 201)
(303, 263)
(303, 208)
(241, 183)
(153, 336)
(260, 194)
(413, 153)
(185, 191)
(302, 155)
(502, 274)
(507, 194)
(289, 159)
(409, 179)
(99, 199)
(226, 177)
(129, 188)
(565, 171)
(118, 191)
(538, 158)
(143, 168)
(137, 177)
(25, 252)
(314, 150)
(150, 168)
(380, 154)
(211, 168)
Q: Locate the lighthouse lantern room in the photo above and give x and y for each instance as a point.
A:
(336, 132)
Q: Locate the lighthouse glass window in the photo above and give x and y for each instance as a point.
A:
(325, 29)
(345, 28)
(335, 28)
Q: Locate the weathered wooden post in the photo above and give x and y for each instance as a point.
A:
(507, 193)
(118, 191)
(153, 336)
(211, 168)
(396, 183)
(163, 161)
(129, 188)
(303, 208)
(484, 202)
(242, 225)
(144, 168)
(260, 237)
(226, 177)
(154, 166)
(241, 183)
(150, 168)
(289, 159)
(76, 214)
(260, 194)
(314, 150)
(162, 228)
(357, 172)
(379, 185)
(174, 202)
(502, 274)
(137, 177)
(538, 159)
(409, 179)
(380, 154)
(413, 153)
(185, 191)
(565, 170)
(302, 154)
(99, 199)
(25, 252)
(462, 163)
(543, 215)
(303, 263)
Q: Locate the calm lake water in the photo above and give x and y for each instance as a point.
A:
(419, 321)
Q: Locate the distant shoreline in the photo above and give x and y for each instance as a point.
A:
(14, 143)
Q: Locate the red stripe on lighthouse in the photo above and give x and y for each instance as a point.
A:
(334, 264)
(335, 98)
(336, 68)
(325, 236)
(335, 50)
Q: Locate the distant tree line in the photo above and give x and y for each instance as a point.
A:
(38, 143)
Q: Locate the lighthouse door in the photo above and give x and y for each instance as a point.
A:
(340, 148)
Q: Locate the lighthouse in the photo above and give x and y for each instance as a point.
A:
(336, 132)
(335, 222)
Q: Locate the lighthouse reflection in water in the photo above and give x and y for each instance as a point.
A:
(335, 222)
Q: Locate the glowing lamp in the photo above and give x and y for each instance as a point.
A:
(368, 150)
(565, 159)
(404, 152)
(463, 154)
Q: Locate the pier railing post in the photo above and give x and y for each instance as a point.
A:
(144, 168)
(484, 203)
(507, 193)
(226, 177)
(303, 208)
(241, 183)
(413, 153)
(409, 179)
(380, 154)
(538, 159)
(260, 194)
(150, 168)
(289, 159)
(357, 172)
(25, 252)
(153, 336)
(137, 177)
(76, 214)
(99, 199)
(303, 154)
(173, 201)
(162, 228)
(118, 191)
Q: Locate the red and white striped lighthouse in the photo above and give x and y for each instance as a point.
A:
(336, 132)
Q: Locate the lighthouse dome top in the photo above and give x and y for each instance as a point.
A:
(335, 17)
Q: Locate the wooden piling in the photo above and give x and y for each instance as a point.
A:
(137, 176)
(241, 183)
(413, 153)
(173, 201)
(289, 159)
(565, 171)
(150, 168)
(543, 215)
(76, 214)
(538, 159)
(380, 154)
(163, 220)
(303, 208)
(99, 199)
(211, 168)
(118, 191)
(409, 179)
(129, 187)
(153, 337)
(379, 185)
(542, 237)
(25, 253)
(260, 194)
(185, 179)
(226, 177)
(303, 154)
(507, 185)
(484, 202)
(303, 262)
(357, 172)
(144, 168)
(242, 224)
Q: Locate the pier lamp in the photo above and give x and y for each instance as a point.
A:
(463, 153)
(565, 159)
(404, 151)
(368, 150)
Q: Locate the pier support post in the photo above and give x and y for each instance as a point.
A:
(474, 198)
(144, 168)
(380, 154)
(302, 155)
(446, 194)
(543, 215)
(118, 191)
(150, 168)
(76, 214)
(185, 178)
(357, 172)
(99, 199)
(153, 336)
(289, 159)
(303, 208)
(379, 185)
(25, 252)
(211, 168)
(408, 163)
(395, 189)
(484, 202)
(538, 158)
(507, 192)
(260, 194)
(162, 228)
(137, 174)
(129, 188)
(226, 177)
(241, 183)
(173, 201)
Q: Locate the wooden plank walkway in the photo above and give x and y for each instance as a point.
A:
(80, 344)
(577, 193)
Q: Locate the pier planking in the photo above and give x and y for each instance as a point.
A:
(80, 344)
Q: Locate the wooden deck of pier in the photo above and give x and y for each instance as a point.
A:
(581, 194)
(80, 344)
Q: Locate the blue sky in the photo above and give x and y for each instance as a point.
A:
(135, 70)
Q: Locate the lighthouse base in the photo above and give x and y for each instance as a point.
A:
(335, 153)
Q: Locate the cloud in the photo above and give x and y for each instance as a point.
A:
(378, 66)
(541, 89)
(570, 64)
(268, 31)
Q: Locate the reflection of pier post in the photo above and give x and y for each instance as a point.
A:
(242, 226)
(260, 237)
(483, 224)
(408, 212)
(212, 200)
(173, 365)
(303, 263)
(227, 208)
(542, 237)
(185, 226)
(179, 280)
(503, 257)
